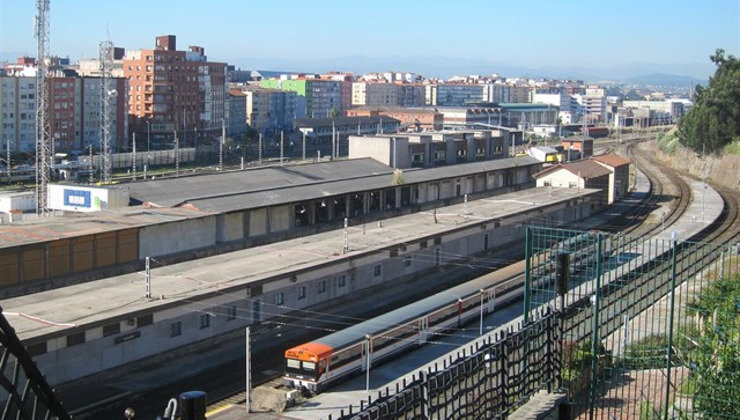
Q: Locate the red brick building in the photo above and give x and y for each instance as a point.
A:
(415, 119)
(174, 90)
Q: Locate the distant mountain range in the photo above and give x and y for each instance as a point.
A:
(667, 80)
(672, 73)
(664, 74)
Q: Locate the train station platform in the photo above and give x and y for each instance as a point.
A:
(705, 207)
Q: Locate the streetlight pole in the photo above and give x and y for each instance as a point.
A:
(148, 137)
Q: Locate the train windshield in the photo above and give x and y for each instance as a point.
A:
(298, 367)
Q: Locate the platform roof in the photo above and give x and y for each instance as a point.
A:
(170, 192)
(277, 196)
(97, 302)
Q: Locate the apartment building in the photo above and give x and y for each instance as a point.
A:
(411, 119)
(456, 94)
(270, 111)
(174, 90)
(323, 98)
(74, 113)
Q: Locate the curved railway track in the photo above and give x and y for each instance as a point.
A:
(225, 383)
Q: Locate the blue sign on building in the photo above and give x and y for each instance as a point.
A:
(76, 198)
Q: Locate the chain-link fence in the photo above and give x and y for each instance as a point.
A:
(651, 326)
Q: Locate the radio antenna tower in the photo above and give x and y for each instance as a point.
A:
(107, 104)
(44, 143)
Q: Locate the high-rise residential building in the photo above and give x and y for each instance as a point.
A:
(594, 104)
(388, 94)
(236, 113)
(270, 111)
(174, 90)
(374, 94)
(456, 94)
(568, 108)
(322, 97)
(75, 112)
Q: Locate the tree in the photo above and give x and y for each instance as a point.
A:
(714, 121)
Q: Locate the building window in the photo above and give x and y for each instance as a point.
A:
(205, 321)
(280, 299)
(376, 271)
(341, 281)
(301, 292)
(176, 329)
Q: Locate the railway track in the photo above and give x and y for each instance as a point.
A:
(637, 223)
(651, 285)
(224, 385)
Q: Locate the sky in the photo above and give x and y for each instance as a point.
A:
(454, 35)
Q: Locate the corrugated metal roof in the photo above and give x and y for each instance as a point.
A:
(171, 192)
(277, 196)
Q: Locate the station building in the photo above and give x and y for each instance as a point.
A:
(176, 219)
(92, 327)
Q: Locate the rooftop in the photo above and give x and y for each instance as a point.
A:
(327, 122)
(586, 169)
(169, 192)
(612, 160)
(94, 303)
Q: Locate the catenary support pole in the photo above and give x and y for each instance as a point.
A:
(148, 278)
(248, 371)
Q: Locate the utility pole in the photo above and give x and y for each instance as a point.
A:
(133, 155)
(259, 149)
(91, 163)
(177, 155)
(221, 145)
(282, 145)
(333, 139)
(44, 142)
(248, 371)
(345, 247)
(7, 157)
(303, 154)
(482, 298)
(148, 274)
(105, 51)
(367, 361)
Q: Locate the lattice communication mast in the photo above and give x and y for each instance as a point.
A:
(107, 103)
(44, 142)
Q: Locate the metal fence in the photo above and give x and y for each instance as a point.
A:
(651, 326)
(487, 381)
(24, 392)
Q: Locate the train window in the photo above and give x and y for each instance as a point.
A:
(309, 365)
(176, 329)
(437, 240)
(301, 292)
(376, 271)
(341, 280)
(293, 364)
(205, 321)
(407, 261)
(279, 299)
(322, 286)
(231, 313)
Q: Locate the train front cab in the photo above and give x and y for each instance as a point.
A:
(305, 364)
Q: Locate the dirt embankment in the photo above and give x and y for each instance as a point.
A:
(723, 170)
